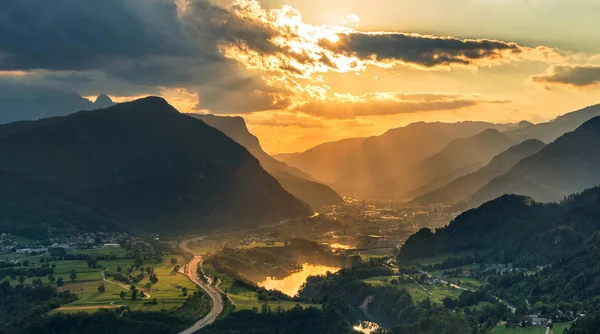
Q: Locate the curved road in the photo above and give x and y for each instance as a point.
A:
(214, 293)
(215, 296)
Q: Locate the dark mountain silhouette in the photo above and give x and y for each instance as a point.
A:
(379, 166)
(550, 131)
(514, 228)
(460, 157)
(144, 163)
(463, 187)
(103, 101)
(46, 104)
(299, 184)
(567, 165)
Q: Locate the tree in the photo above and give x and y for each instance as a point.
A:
(119, 269)
(26, 263)
(134, 294)
(184, 290)
(122, 294)
(101, 288)
(449, 302)
(60, 282)
(51, 278)
(173, 260)
(153, 279)
(22, 279)
(73, 275)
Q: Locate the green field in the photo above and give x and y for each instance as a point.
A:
(434, 292)
(166, 290)
(116, 251)
(557, 329)
(205, 246)
(264, 244)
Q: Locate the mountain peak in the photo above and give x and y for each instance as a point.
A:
(489, 132)
(149, 104)
(524, 124)
(103, 101)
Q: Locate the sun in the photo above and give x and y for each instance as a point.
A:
(332, 38)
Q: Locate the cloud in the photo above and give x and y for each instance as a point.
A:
(345, 106)
(426, 51)
(286, 120)
(302, 120)
(239, 58)
(147, 43)
(570, 75)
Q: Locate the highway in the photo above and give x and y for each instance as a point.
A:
(215, 296)
(213, 292)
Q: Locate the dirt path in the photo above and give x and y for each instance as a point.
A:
(91, 307)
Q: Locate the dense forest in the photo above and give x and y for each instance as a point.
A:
(513, 229)
(397, 305)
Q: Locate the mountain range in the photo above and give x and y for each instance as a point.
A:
(463, 187)
(16, 107)
(298, 183)
(429, 162)
(567, 165)
(513, 228)
(379, 166)
(461, 156)
(134, 165)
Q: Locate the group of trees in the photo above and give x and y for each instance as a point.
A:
(24, 305)
(296, 320)
(131, 277)
(257, 263)
(349, 291)
(38, 300)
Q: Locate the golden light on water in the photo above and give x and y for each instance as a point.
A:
(291, 284)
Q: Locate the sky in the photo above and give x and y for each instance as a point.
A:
(302, 72)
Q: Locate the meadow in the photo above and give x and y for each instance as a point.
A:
(167, 290)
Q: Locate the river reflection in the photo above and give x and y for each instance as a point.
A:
(291, 284)
(366, 327)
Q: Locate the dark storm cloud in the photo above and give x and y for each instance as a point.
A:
(141, 42)
(573, 75)
(125, 37)
(392, 104)
(426, 51)
(122, 47)
(80, 35)
(35, 83)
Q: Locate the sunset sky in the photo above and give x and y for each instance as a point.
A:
(302, 72)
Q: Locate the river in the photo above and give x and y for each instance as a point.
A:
(291, 284)
(366, 327)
